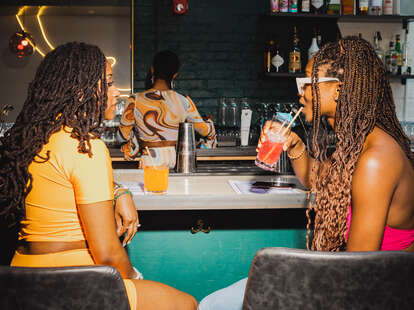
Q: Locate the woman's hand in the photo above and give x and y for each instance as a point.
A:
(126, 217)
(292, 139)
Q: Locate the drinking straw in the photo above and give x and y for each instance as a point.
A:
(283, 132)
(149, 154)
(291, 122)
(281, 126)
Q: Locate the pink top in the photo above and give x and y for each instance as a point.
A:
(393, 239)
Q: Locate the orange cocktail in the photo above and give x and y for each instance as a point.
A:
(156, 179)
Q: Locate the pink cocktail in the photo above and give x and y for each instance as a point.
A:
(270, 150)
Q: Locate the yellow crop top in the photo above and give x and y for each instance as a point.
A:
(66, 179)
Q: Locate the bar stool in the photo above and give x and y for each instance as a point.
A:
(84, 287)
(283, 278)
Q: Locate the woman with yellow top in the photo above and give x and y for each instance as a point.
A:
(152, 117)
(56, 177)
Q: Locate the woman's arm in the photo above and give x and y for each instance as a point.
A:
(99, 227)
(374, 180)
(126, 215)
(126, 132)
(296, 151)
(204, 128)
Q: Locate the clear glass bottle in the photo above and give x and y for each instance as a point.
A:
(377, 44)
(222, 112)
(233, 119)
(375, 7)
(294, 55)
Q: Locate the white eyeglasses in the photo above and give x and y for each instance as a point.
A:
(301, 82)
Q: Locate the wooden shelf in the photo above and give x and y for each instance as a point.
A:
(403, 19)
(347, 18)
(304, 15)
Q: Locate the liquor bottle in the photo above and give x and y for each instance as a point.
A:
(318, 37)
(293, 6)
(388, 7)
(277, 60)
(268, 54)
(348, 7)
(398, 51)
(274, 6)
(391, 59)
(314, 48)
(375, 7)
(363, 7)
(294, 55)
(377, 44)
(284, 6)
(305, 8)
(318, 6)
(334, 7)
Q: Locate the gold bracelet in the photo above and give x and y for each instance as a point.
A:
(297, 156)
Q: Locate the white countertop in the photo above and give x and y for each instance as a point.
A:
(210, 192)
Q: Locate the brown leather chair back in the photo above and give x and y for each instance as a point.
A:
(283, 278)
(84, 287)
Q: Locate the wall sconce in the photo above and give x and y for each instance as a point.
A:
(21, 44)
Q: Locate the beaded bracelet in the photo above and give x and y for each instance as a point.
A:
(127, 191)
(116, 187)
(297, 156)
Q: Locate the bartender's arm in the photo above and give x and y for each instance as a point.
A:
(204, 128)
(126, 132)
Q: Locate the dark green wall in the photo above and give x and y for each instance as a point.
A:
(220, 44)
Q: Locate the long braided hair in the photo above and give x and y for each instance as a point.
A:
(69, 89)
(365, 101)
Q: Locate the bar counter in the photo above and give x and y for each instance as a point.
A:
(207, 191)
(201, 235)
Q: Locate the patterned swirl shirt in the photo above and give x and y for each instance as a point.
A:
(154, 116)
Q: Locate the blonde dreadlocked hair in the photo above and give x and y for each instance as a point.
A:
(365, 101)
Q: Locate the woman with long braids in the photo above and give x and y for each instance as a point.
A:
(56, 177)
(356, 160)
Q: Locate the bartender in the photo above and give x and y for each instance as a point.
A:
(152, 117)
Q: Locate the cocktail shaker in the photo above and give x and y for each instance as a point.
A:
(186, 149)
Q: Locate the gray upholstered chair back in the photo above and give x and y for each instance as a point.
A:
(85, 287)
(282, 278)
